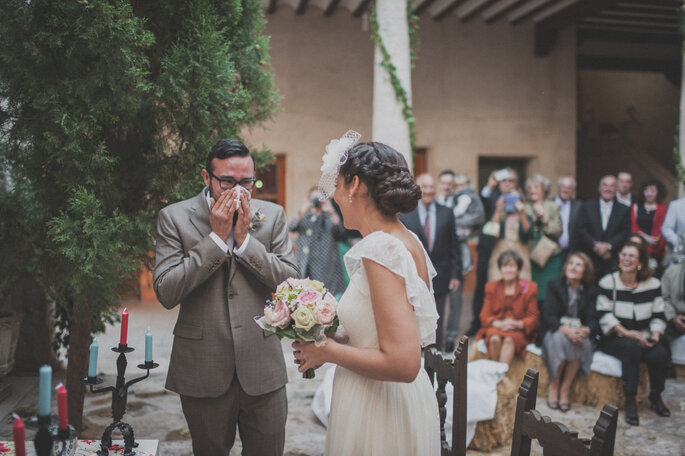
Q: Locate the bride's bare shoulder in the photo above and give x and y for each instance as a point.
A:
(416, 249)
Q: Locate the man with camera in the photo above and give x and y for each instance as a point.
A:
(319, 228)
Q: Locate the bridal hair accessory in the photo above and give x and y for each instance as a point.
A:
(335, 156)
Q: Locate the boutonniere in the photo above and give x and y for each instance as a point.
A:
(257, 219)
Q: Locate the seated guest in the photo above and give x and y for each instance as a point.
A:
(673, 291)
(509, 317)
(568, 325)
(647, 216)
(631, 315)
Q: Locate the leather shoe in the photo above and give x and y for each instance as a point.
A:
(658, 405)
(631, 411)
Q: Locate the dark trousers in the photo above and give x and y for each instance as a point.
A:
(439, 332)
(631, 353)
(485, 246)
(260, 420)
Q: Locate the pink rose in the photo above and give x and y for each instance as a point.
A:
(278, 315)
(309, 297)
(325, 310)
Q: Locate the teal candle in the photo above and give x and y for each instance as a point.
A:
(93, 363)
(148, 345)
(44, 390)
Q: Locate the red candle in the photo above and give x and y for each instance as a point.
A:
(18, 429)
(62, 407)
(124, 327)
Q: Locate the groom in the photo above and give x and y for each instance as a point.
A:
(220, 255)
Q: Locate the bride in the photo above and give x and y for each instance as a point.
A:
(383, 402)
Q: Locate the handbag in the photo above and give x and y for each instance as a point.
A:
(543, 250)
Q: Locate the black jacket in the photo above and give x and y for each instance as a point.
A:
(556, 304)
(446, 253)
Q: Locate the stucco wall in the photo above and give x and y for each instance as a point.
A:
(478, 90)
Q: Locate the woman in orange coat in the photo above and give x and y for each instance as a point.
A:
(510, 313)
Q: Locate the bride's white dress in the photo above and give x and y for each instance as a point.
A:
(373, 417)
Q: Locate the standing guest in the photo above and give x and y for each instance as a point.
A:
(568, 326)
(500, 182)
(221, 269)
(318, 230)
(433, 223)
(631, 315)
(624, 187)
(647, 216)
(446, 188)
(469, 215)
(603, 226)
(546, 224)
(510, 314)
(569, 208)
(674, 223)
(673, 291)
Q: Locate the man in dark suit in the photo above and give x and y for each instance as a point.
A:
(603, 227)
(569, 210)
(220, 255)
(433, 223)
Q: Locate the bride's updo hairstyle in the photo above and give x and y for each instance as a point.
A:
(385, 173)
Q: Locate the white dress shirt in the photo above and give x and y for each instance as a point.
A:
(431, 217)
(565, 212)
(605, 208)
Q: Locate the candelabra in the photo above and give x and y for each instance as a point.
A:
(119, 394)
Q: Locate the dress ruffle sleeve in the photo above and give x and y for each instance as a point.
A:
(391, 253)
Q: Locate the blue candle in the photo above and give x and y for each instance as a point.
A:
(93, 363)
(148, 345)
(44, 390)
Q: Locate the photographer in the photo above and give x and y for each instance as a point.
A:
(507, 225)
(318, 229)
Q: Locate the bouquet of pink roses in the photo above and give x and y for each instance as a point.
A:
(301, 309)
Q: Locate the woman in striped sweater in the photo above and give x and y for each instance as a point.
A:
(631, 315)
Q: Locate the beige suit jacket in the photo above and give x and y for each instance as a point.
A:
(215, 335)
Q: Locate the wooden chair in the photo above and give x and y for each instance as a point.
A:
(555, 438)
(450, 369)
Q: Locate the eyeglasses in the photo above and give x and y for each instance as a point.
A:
(226, 183)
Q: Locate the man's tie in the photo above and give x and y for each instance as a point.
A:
(427, 231)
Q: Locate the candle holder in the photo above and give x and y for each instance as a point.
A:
(65, 441)
(119, 395)
(43, 441)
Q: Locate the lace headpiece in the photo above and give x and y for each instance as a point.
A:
(335, 156)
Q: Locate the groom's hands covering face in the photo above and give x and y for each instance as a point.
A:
(242, 224)
(221, 216)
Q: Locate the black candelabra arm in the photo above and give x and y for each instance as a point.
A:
(136, 380)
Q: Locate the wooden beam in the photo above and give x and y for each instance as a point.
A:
(629, 23)
(497, 10)
(525, 10)
(627, 14)
(301, 6)
(627, 34)
(442, 9)
(360, 7)
(645, 6)
(330, 8)
(553, 9)
(272, 6)
(470, 8)
(421, 5)
(573, 12)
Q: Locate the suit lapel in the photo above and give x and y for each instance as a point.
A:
(418, 228)
(613, 215)
(199, 216)
(597, 215)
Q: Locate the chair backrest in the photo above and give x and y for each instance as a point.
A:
(443, 369)
(554, 437)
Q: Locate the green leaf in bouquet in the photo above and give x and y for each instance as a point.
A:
(313, 334)
(288, 333)
(334, 326)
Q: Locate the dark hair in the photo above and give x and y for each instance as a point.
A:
(447, 172)
(507, 256)
(645, 272)
(226, 148)
(385, 173)
(588, 268)
(660, 190)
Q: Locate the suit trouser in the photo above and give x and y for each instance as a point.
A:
(631, 353)
(260, 420)
(454, 317)
(440, 303)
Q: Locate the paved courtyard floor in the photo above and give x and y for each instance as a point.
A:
(156, 413)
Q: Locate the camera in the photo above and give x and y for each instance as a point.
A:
(316, 203)
(510, 200)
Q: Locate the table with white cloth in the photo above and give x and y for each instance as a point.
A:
(90, 448)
